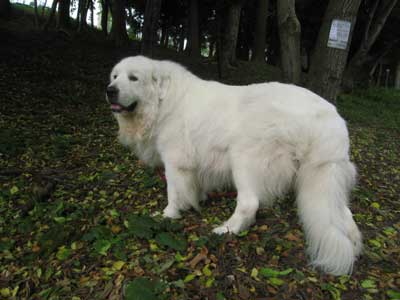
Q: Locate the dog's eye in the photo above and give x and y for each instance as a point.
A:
(132, 78)
(115, 77)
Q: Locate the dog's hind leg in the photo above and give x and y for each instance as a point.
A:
(182, 189)
(247, 202)
(258, 182)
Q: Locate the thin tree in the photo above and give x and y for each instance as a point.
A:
(35, 7)
(377, 17)
(5, 8)
(63, 14)
(91, 14)
(83, 7)
(230, 18)
(327, 62)
(104, 15)
(151, 18)
(289, 36)
(260, 31)
(52, 14)
(43, 8)
(118, 29)
(397, 75)
(194, 35)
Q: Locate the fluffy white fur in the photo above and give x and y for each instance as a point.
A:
(262, 138)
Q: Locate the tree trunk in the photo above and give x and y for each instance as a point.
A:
(63, 14)
(51, 16)
(35, 6)
(91, 14)
(376, 20)
(194, 38)
(328, 63)
(118, 28)
(44, 8)
(5, 8)
(397, 76)
(230, 30)
(379, 77)
(164, 36)
(260, 31)
(81, 15)
(211, 49)
(151, 17)
(289, 36)
(104, 16)
(182, 35)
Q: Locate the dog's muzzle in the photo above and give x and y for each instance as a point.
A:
(112, 97)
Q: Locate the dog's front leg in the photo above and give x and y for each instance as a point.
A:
(182, 191)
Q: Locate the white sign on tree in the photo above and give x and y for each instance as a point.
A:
(339, 34)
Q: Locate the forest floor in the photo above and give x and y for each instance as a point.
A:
(80, 216)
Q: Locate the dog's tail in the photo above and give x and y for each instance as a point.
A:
(334, 241)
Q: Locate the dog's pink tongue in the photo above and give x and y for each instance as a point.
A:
(115, 106)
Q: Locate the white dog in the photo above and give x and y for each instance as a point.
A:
(263, 138)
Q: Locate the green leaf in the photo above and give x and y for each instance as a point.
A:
(206, 270)
(171, 241)
(268, 272)
(375, 243)
(189, 278)
(220, 296)
(140, 289)
(60, 220)
(393, 295)
(276, 281)
(179, 283)
(375, 205)
(142, 226)
(166, 266)
(14, 190)
(286, 272)
(102, 246)
(368, 284)
(63, 253)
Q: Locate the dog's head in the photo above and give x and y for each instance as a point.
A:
(136, 82)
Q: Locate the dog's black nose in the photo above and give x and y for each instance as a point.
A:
(112, 93)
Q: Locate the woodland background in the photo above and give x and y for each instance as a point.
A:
(80, 216)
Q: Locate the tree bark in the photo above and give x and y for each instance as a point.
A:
(151, 17)
(91, 14)
(104, 16)
(36, 13)
(43, 8)
(397, 76)
(63, 14)
(181, 41)
(51, 16)
(376, 20)
(194, 37)
(164, 36)
(327, 63)
(230, 30)
(260, 31)
(5, 8)
(289, 35)
(82, 12)
(118, 28)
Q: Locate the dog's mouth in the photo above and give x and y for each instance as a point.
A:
(118, 108)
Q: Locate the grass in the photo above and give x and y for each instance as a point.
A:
(376, 107)
(80, 216)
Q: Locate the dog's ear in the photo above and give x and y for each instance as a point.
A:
(162, 82)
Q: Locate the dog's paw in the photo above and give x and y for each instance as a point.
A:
(171, 213)
(221, 230)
